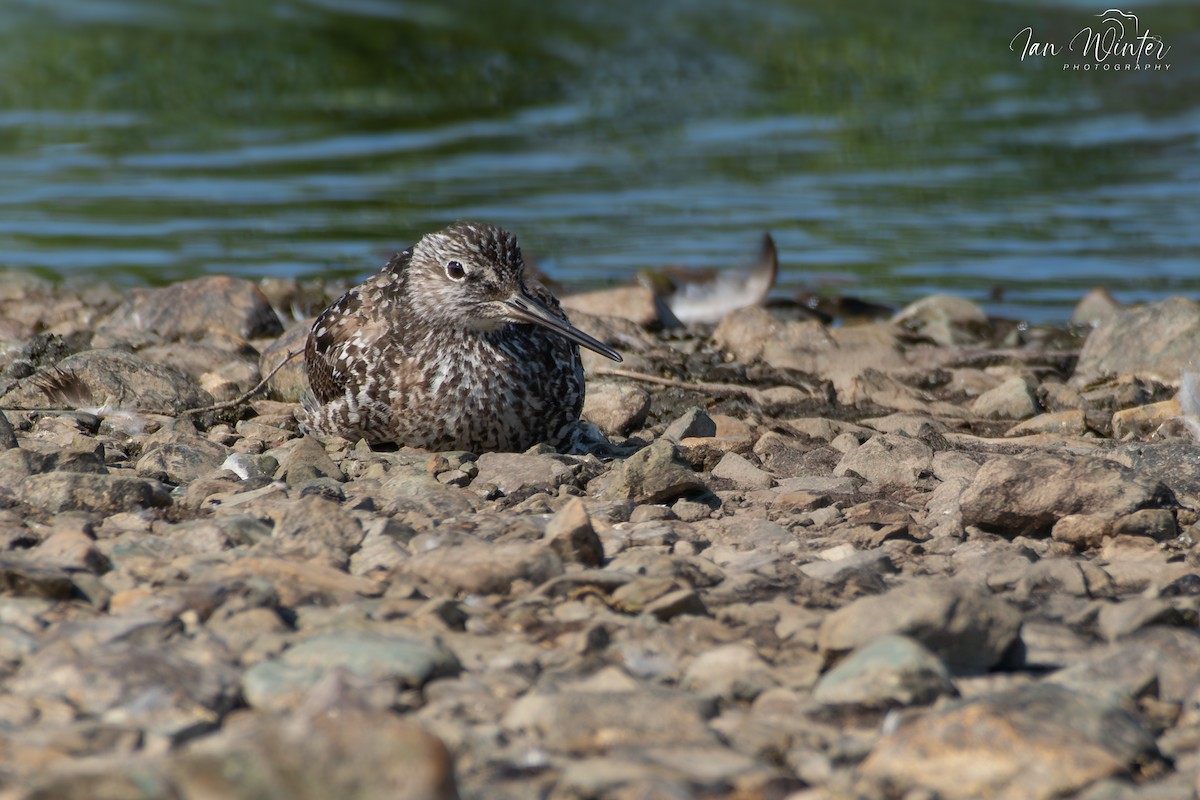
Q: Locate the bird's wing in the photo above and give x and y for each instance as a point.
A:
(339, 347)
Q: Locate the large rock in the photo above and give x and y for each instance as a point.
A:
(1039, 741)
(1026, 495)
(111, 378)
(971, 632)
(192, 309)
(1157, 341)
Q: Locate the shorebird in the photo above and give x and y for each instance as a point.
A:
(449, 347)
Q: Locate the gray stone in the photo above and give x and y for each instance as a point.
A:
(290, 381)
(890, 671)
(1118, 620)
(970, 632)
(304, 459)
(8, 437)
(1096, 308)
(651, 475)
(476, 567)
(578, 722)
(732, 672)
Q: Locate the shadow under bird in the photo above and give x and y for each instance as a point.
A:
(449, 347)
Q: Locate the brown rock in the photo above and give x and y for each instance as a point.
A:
(1142, 421)
(103, 494)
(1083, 531)
(889, 460)
(1025, 496)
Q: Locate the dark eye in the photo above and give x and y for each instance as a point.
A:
(455, 271)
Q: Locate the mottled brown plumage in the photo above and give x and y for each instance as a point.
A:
(449, 347)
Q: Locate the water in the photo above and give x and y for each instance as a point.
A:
(891, 153)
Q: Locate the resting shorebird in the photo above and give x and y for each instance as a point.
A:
(449, 347)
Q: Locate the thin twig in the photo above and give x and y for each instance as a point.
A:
(699, 386)
(244, 396)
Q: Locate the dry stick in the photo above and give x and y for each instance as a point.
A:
(244, 396)
(699, 386)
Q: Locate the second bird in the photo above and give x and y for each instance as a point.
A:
(449, 347)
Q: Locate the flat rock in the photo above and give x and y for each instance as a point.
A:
(733, 672)
(970, 632)
(1039, 741)
(1026, 495)
(739, 471)
(638, 304)
(182, 460)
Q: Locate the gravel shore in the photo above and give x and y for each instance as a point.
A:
(936, 556)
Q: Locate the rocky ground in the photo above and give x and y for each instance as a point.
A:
(938, 556)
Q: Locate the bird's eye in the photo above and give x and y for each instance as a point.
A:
(455, 271)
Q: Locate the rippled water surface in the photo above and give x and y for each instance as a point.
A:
(891, 151)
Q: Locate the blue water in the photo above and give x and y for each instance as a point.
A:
(891, 153)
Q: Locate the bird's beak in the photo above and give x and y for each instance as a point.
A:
(523, 308)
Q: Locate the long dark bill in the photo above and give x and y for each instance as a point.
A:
(525, 309)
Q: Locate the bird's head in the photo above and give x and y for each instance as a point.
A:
(471, 275)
